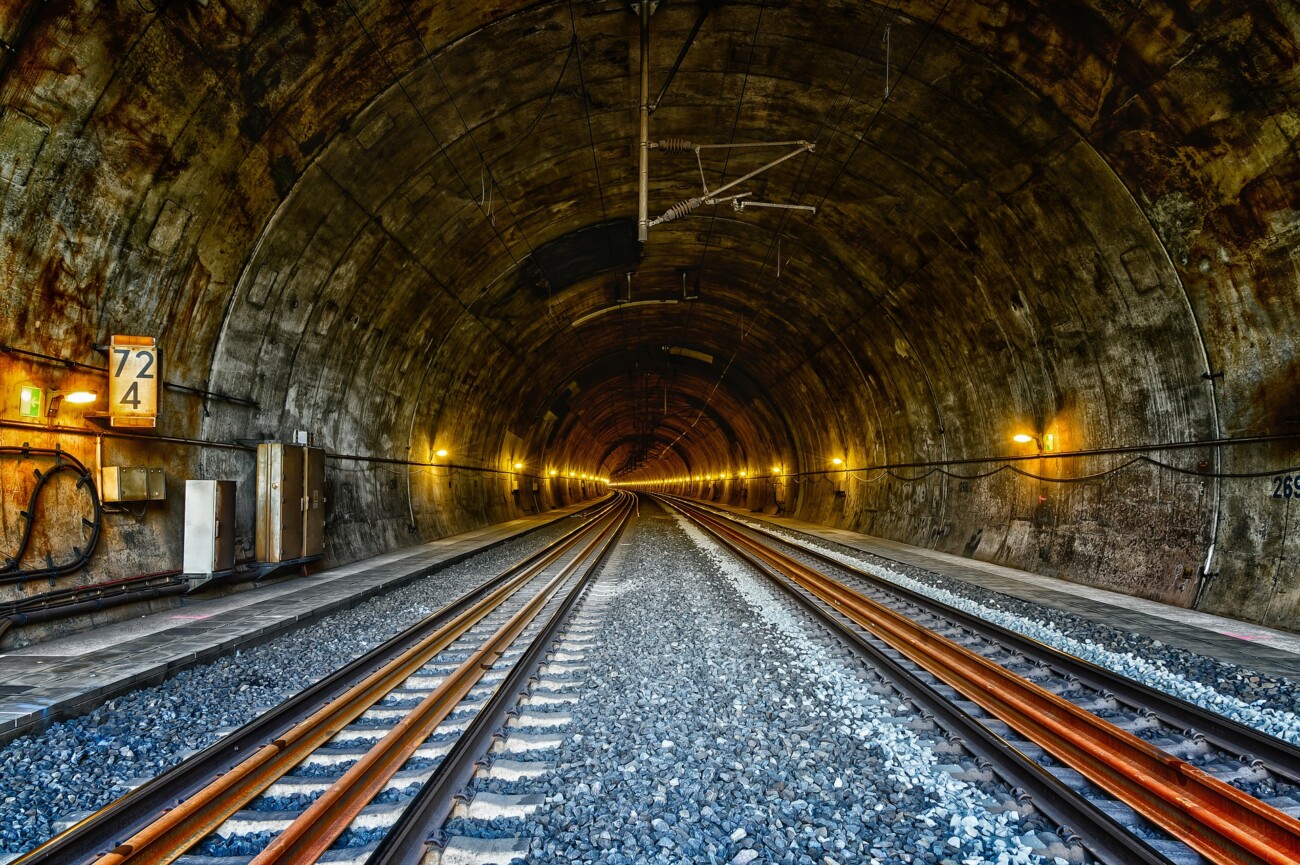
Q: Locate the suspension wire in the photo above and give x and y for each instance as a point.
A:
(1127, 464)
(546, 106)
(515, 260)
(735, 124)
(785, 215)
(875, 116)
(595, 164)
(578, 348)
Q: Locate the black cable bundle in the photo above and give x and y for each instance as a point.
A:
(9, 570)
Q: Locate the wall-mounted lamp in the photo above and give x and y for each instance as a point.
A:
(518, 466)
(1044, 443)
(440, 452)
(72, 397)
(554, 472)
(837, 461)
(776, 470)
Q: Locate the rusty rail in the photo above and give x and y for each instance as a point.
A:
(316, 829)
(1213, 818)
(186, 824)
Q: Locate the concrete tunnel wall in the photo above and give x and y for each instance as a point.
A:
(1065, 218)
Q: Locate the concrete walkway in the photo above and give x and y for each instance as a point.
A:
(70, 676)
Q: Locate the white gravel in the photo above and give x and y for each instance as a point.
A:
(1151, 671)
(977, 834)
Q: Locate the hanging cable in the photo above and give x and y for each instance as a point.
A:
(64, 462)
(1145, 460)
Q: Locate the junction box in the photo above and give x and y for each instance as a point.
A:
(290, 502)
(132, 484)
(209, 526)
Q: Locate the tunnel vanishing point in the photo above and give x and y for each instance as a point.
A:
(1014, 279)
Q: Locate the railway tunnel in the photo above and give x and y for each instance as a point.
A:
(1013, 282)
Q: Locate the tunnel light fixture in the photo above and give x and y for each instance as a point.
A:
(776, 470)
(79, 397)
(554, 472)
(837, 461)
(518, 466)
(440, 452)
(72, 397)
(1043, 442)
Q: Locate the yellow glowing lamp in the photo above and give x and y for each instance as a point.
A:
(1022, 438)
(440, 452)
(776, 470)
(80, 397)
(519, 465)
(837, 461)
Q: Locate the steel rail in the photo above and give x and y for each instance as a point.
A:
(1213, 818)
(316, 829)
(200, 815)
(407, 841)
(130, 814)
(1108, 840)
(1232, 736)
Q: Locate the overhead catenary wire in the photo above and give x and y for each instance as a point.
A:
(515, 260)
(747, 328)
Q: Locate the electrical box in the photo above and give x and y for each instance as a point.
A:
(209, 527)
(133, 484)
(290, 502)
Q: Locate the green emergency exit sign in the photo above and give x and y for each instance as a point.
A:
(29, 401)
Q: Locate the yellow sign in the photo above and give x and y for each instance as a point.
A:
(134, 370)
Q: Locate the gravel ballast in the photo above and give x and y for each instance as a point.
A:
(84, 763)
(716, 724)
(1267, 703)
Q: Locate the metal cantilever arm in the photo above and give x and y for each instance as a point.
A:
(687, 205)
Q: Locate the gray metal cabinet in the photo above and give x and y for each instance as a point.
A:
(209, 526)
(290, 502)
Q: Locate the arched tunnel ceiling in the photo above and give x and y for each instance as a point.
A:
(1070, 216)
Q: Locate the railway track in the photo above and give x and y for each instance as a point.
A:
(325, 775)
(1096, 752)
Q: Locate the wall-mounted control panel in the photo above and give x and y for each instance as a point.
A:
(290, 502)
(209, 526)
(133, 484)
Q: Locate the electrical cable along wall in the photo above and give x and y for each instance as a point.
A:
(1031, 219)
(11, 571)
